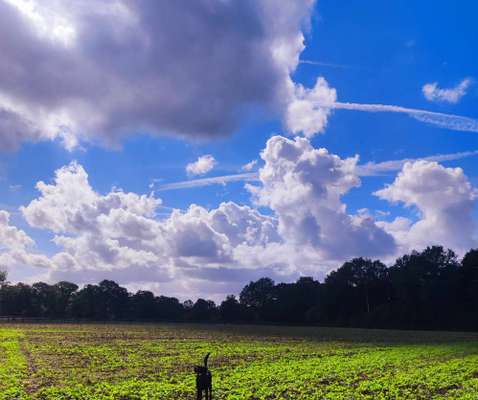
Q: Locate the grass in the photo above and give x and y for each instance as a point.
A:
(126, 362)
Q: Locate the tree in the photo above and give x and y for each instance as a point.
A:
(64, 292)
(170, 309)
(3, 281)
(230, 309)
(257, 294)
(85, 303)
(470, 283)
(358, 286)
(143, 305)
(294, 300)
(426, 288)
(257, 298)
(113, 300)
(3, 278)
(17, 300)
(43, 299)
(203, 310)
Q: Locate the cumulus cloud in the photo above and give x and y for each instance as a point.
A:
(433, 92)
(303, 228)
(303, 186)
(202, 165)
(118, 235)
(116, 231)
(367, 169)
(10, 236)
(309, 109)
(104, 70)
(444, 198)
(16, 247)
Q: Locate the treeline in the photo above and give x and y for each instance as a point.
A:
(431, 289)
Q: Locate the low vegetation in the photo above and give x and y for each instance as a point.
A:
(126, 362)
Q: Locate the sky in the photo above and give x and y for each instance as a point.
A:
(190, 147)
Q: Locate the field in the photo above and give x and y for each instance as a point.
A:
(155, 362)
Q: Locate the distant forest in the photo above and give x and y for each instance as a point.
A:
(431, 289)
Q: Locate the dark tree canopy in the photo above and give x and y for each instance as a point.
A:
(430, 289)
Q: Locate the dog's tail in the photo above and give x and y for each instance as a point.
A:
(205, 360)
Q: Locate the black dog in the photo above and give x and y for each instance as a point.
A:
(203, 380)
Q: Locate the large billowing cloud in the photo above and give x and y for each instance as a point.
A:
(119, 235)
(95, 72)
(73, 71)
(304, 227)
(303, 186)
(445, 200)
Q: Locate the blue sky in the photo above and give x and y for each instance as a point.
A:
(370, 52)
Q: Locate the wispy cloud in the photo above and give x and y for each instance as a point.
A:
(368, 169)
(250, 176)
(447, 121)
(14, 188)
(249, 166)
(433, 92)
(372, 168)
(326, 64)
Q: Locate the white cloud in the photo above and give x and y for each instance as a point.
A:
(367, 169)
(202, 165)
(309, 109)
(446, 121)
(249, 166)
(16, 247)
(373, 168)
(118, 235)
(10, 236)
(303, 186)
(433, 92)
(14, 188)
(216, 180)
(306, 230)
(96, 232)
(444, 198)
(109, 69)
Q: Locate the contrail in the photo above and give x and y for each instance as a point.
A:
(326, 64)
(249, 176)
(368, 169)
(447, 121)
(373, 169)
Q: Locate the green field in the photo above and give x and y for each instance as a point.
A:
(155, 362)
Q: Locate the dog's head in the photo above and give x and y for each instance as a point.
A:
(199, 370)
